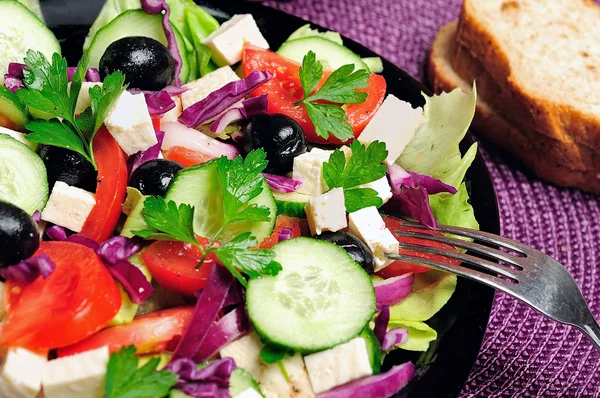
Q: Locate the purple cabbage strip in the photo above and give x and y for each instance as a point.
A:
(229, 328)
(220, 100)
(92, 75)
(156, 7)
(36, 216)
(118, 248)
(210, 302)
(13, 83)
(205, 390)
(381, 323)
(16, 69)
(28, 270)
(149, 154)
(170, 89)
(235, 295)
(393, 337)
(255, 106)
(230, 116)
(250, 108)
(382, 385)
(132, 279)
(284, 234)
(56, 232)
(211, 380)
(393, 290)
(82, 240)
(281, 183)
(159, 102)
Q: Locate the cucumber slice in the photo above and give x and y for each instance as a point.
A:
(178, 394)
(331, 54)
(13, 113)
(134, 23)
(373, 348)
(375, 64)
(199, 186)
(23, 180)
(240, 380)
(321, 297)
(21, 30)
(306, 31)
(110, 10)
(291, 204)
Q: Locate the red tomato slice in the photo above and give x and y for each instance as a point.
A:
(79, 298)
(155, 121)
(282, 222)
(186, 157)
(284, 89)
(173, 265)
(399, 267)
(111, 188)
(150, 334)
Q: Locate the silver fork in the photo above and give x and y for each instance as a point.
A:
(526, 274)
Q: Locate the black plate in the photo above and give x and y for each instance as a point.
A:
(461, 324)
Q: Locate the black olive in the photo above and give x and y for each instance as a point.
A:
(356, 248)
(145, 62)
(19, 236)
(280, 136)
(69, 167)
(154, 177)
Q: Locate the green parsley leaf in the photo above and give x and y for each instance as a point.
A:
(168, 218)
(340, 85)
(359, 198)
(53, 132)
(272, 354)
(311, 72)
(329, 118)
(102, 97)
(125, 380)
(76, 82)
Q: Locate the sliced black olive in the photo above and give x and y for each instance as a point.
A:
(154, 177)
(356, 248)
(69, 167)
(145, 62)
(19, 236)
(280, 136)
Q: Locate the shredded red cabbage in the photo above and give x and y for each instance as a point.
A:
(170, 89)
(197, 382)
(210, 302)
(132, 279)
(250, 108)
(382, 385)
(284, 234)
(394, 337)
(28, 270)
(13, 80)
(36, 216)
(92, 75)
(230, 116)
(16, 69)
(118, 248)
(281, 183)
(56, 232)
(235, 295)
(222, 99)
(157, 7)
(149, 154)
(393, 290)
(159, 102)
(82, 240)
(229, 328)
(381, 323)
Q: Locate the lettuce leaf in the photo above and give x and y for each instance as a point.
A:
(420, 334)
(434, 149)
(454, 209)
(431, 291)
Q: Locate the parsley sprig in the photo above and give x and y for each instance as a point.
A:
(339, 88)
(240, 182)
(47, 91)
(125, 380)
(364, 166)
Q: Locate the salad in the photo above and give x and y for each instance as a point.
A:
(188, 213)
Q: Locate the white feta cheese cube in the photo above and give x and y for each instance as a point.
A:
(227, 43)
(274, 383)
(382, 186)
(368, 225)
(68, 206)
(130, 124)
(338, 365)
(308, 168)
(173, 114)
(200, 88)
(326, 212)
(245, 351)
(83, 100)
(77, 376)
(21, 374)
(248, 393)
(395, 124)
(18, 136)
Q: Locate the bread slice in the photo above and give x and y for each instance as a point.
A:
(546, 53)
(529, 146)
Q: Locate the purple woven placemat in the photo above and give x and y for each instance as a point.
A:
(524, 355)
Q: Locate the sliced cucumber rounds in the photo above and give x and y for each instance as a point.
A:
(331, 54)
(321, 297)
(291, 204)
(23, 180)
(13, 114)
(199, 186)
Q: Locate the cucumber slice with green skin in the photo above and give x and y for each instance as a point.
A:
(373, 348)
(134, 23)
(321, 297)
(332, 55)
(178, 394)
(240, 381)
(200, 187)
(23, 180)
(110, 10)
(375, 64)
(21, 30)
(13, 113)
(306, 31)
(291, 204)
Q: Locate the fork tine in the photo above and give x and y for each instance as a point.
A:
(477, 276)
(474, 247)
(477, 235)
(465, 258)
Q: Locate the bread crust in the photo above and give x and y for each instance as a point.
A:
(528, 145)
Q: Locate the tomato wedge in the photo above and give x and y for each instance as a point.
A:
(173, 265)
(155, 121)
(111, 188)
(150, 334)
(186, 157)
(79, 298)
(292, 223)
(285, 89)
(400, 267)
